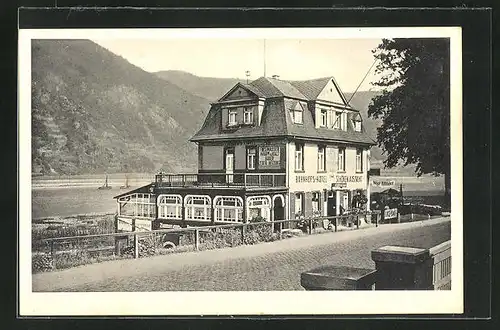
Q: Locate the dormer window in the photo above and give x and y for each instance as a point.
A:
(297, 114)
(337, 120)
(356, 122)
(232, 118)
(248, 116)
(323, 118)
(357, 125)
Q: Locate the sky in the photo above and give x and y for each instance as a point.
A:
(348, 60)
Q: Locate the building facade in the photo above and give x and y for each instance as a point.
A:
(268, 150)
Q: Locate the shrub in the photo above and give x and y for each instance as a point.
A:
(41, 262)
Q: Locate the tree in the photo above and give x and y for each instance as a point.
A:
(414, 104)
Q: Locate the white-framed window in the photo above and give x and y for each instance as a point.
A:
(337, 119)
(343, 121)
(198, 207)
(359, 160)
(321, 158)
(248, 116)
(297, 114)
(137, 205)
(357, 125)
(251, 158)
(232, 118)
(299, 157)
(299, 203)
(228, 209)
(316, 206)
(259, 206)
(170, 206)
(341, 159)
(323, 118)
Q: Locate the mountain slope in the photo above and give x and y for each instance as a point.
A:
(206, 87)
(94, 112)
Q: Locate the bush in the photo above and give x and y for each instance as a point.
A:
(41, 262)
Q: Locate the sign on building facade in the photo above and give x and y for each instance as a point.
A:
(269, 157)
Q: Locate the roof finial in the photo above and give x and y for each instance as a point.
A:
(247, 73)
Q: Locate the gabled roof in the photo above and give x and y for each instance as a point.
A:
(311, 88)
(271, 87)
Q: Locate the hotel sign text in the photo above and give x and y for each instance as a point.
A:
(311, 179)
(348, 178)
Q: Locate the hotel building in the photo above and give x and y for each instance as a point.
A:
(272, 148)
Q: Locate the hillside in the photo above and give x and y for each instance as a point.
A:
(94, 112)
(206, 87)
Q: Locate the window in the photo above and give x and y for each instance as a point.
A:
(359, 160)
(198, 207)
(248, 116)
(297, 114)
(137, 205)
(251, 158)
(170, 207)
(232, 118)
(299, 202)
(321, 158)
(337, 120)
(323, 118)
(259, 206)
(357, 125)
(341, 159)
(316, 206)
(343, 121)
(299, 157)
(228, 209)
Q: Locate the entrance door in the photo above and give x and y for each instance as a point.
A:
(331, 206)
(279, 212)
(229, 166)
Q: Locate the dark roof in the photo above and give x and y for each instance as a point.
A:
(277, 123)
(311, 88)
(270, 87)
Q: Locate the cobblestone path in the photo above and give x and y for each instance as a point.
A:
(268, 266)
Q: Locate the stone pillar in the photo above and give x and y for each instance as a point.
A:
(338, 278)
(403, 268)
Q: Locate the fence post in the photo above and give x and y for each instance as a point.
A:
(310, 225)
(336, 223)
(52, 254)
(357, 221)
(243, 229)
(281, 230)
(196, 239)
(136, 246)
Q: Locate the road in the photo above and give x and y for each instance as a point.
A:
(268, 266)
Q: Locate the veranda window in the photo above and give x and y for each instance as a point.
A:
(228, 208)
(259, 206)
(198, 207)
(137, 205)
(170, 207)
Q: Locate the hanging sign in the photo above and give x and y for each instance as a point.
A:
(269, 157)
(383, 183)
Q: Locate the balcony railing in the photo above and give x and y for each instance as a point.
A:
(221, 180)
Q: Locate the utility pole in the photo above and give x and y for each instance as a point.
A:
(264, 57)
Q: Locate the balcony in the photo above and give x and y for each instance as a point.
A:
(243, 180)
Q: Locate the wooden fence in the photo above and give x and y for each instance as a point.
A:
(196, 234)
